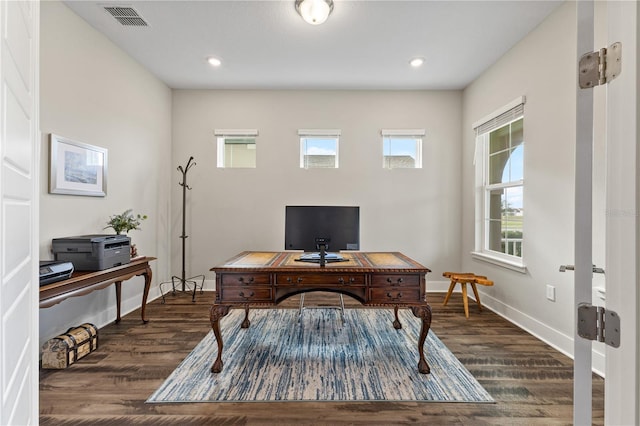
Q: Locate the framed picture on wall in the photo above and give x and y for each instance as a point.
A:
(76, 168)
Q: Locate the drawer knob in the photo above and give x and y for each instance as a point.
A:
(241, 279)
(341, 280)
(299, 280)
(398, 281)
(241, 294)
(396, 297)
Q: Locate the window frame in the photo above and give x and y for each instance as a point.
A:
(311, 134)
(403, 134)
(221, 143)
(505, 116)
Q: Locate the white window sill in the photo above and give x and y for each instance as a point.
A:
(495, 260)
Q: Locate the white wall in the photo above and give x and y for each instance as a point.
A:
(416, 211)
(94, 93)
(542, 67)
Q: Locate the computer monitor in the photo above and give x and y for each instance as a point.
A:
(338, 227)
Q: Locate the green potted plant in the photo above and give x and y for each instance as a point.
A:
(126, 222)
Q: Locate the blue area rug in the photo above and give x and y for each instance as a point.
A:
(279, 358)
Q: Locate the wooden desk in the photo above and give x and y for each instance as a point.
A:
(267, 278)
(82, 282)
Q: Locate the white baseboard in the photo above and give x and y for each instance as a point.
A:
(209, 285)
(438, 286)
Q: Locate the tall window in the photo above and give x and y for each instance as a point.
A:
(236, 148)
(402, 149)
(500, 175)
(319, 149)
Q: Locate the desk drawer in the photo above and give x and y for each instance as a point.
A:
(396, 280)
(245, 294)
(248, 279)
(394, 295)
(331, 279)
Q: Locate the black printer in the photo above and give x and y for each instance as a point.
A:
(93, 252)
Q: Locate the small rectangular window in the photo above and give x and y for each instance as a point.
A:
(236, 148)
(319, 149)
(402, 149)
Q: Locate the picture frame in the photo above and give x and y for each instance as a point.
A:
(77, 168)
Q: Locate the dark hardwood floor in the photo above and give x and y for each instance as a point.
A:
(530, 381)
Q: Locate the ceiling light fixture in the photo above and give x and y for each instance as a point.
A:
(416, 62)
(314, 12)
(214, 62)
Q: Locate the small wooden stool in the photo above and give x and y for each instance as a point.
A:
(465, 278)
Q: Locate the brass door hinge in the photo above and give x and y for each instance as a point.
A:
(600, 67)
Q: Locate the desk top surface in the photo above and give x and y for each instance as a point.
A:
(288, 260)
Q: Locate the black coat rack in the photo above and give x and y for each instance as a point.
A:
(184, 284)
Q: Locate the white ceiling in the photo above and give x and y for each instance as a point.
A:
(363, 45)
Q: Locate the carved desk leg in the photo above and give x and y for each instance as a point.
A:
(216, 312)
(423, 312)
(396, 323)
(246, 323)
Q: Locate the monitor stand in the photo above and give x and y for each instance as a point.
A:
(322, 257)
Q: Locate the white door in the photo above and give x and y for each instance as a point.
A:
(19, 179)
(622, 367)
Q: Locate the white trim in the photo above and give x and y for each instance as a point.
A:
(583, 223)
(220, 151)
(520, 100)
(514, 265)
(403, 132)
(439, 286)
(235, 132)
(622, 386)
(319, 132)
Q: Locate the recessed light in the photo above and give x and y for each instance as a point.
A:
(416, 62)
(214, 62)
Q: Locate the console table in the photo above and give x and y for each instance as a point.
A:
(374, 279)
(84, 282)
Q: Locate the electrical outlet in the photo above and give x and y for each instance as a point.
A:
(551, 293)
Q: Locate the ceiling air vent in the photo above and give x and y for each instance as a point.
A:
(127, 16)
